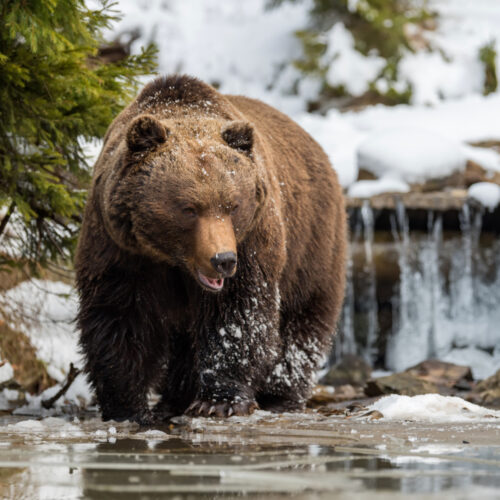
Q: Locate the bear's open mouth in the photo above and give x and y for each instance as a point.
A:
(215, 285)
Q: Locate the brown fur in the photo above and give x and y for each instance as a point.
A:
(185, 174)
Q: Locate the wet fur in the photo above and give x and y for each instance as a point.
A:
(146, 323)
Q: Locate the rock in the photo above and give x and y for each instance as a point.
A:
(453, 199)
(488, 390)
(374, 415)
(324, 395)
(399, 383)
(366, 175)
(443, 374)
(352, 370)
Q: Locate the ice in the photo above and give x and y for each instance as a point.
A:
(446, 306)
(431, 408)
(155, 433)
(482, 363)
(27, 426)
(486, 193)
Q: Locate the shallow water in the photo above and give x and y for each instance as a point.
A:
(265, 456)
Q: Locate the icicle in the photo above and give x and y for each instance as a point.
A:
(371, 285)
(348, 343)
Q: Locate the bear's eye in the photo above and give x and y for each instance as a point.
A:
(235, 208)
(189, 211)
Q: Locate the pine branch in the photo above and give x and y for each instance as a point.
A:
(6, 217)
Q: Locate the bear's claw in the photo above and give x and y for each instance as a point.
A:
(221, 408)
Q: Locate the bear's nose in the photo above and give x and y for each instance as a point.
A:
(224, 263)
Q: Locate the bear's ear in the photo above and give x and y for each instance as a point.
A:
(145, 133)
(239, 135)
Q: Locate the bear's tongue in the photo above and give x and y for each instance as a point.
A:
(214, 284)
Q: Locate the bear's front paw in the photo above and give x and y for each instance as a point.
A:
(143, 417)
(201, 408)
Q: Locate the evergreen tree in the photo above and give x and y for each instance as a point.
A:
(55, 94)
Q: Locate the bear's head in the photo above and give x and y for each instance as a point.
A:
(186, 192)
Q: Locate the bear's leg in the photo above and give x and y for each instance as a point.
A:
(120, 370)
(306, 336)
(177, 386)
(238, 340)
(122, 349)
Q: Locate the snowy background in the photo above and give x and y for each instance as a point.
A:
(247, 48)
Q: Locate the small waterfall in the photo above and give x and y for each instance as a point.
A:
(418, 302)
(445, 292)
(359, 323)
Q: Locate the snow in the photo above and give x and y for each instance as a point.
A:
(486, 193)
(367, 189)
(6, 371)
(241, 46)
(79, 395)
(338, 138)
(349, 68)
(431, 408)
(415, 154)
(445, 129)
(45, 311)
(433, 77)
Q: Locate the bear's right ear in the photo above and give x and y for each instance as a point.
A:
(239, 135)
(145, 133)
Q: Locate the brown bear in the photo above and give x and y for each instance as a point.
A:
(210, 264)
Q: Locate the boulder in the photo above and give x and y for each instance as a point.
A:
(323, 395)
(442, 374)
(399, 383)
(351, 370)
(489, 390)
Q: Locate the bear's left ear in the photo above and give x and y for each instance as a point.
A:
(239, 135)
(145, 133)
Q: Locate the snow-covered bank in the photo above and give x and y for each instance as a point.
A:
(45, 311)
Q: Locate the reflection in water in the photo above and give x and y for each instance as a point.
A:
(185, 468)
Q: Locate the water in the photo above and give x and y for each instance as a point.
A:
(265, 456)
(443, 297)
